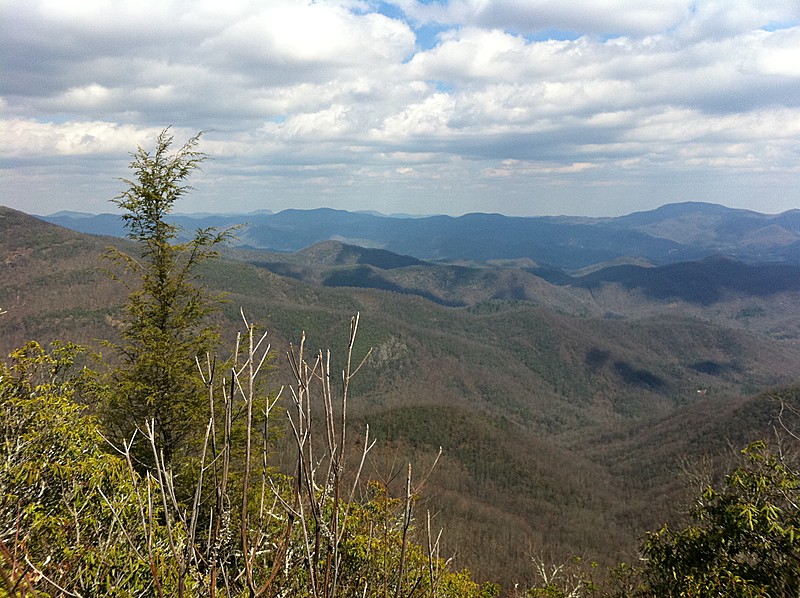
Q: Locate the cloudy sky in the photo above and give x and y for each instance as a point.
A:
(524, 107)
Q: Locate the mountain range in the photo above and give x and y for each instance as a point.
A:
(574, 396)
(670, 234)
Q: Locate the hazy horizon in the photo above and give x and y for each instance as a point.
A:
(389, 215)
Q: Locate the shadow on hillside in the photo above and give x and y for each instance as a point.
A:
(703, 282)
(366, 278)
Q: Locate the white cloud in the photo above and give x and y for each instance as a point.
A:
(29, 138)
(289, 87)
(521, 167)
(601, 16)
(291, 41)
(723, 18)
(607, 17)
(424, 119)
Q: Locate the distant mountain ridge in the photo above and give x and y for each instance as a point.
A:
(701, 282)
(713, 225)
(670, 234)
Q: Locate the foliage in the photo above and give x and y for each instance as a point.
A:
(67, 510)
(745, 539)
(166, 316)
(743, 542)
(78, 521)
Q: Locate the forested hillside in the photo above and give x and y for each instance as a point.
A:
(562, 432)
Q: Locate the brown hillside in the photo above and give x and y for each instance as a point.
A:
(561, 431)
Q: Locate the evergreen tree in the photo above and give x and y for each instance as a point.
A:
(167, 312)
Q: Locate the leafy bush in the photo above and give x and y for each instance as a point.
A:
(744, 541)
(68, 510)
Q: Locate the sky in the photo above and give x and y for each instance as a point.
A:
(521, 107)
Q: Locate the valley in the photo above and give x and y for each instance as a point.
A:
(573, 407)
